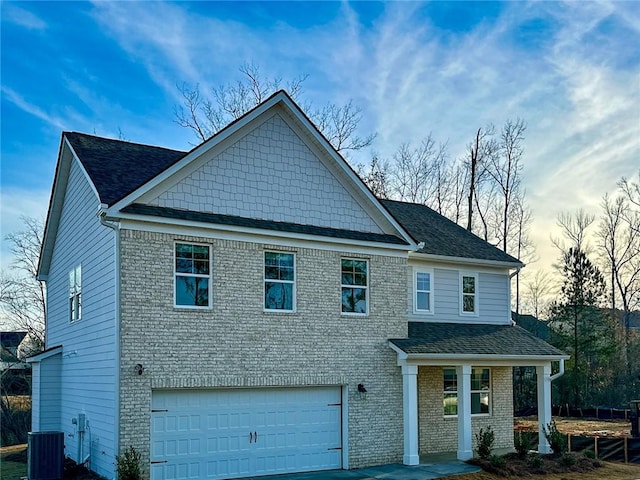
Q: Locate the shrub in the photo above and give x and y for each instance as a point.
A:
(567, 459)
(557, 440)
(128, 465)
(522, 442)
(497, 461)
(535, 461)
(485, 440)
(589, 454)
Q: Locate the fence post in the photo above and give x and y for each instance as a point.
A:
(626, 450)
(569, 441)
(595, 446)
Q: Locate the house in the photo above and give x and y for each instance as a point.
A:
(250, 308)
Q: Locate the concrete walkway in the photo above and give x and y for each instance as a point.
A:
(426, 471)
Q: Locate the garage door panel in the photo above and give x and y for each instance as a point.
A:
(211, 434)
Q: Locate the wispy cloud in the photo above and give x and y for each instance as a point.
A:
(32, 109)
(15, 14)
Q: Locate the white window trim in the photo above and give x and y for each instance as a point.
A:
(417, 310)
(365, 287)
(264, 281)
(476, 295)
(75, 295)
(197, 275)
(471, 393)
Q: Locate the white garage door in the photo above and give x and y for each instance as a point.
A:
(235, 433)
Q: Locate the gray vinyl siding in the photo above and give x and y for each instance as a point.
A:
(493, 296)
(88, 364)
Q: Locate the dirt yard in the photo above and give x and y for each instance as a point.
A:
(580, 426)
(610, 471)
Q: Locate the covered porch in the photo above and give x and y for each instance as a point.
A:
(464, 355)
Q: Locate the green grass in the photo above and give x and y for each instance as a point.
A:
(13, 464)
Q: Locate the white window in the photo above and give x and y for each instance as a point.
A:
(469, 294)
(75, 294)
(355, 285)
(480, 391)
(279, 281)
(423, 288)
(192, 275)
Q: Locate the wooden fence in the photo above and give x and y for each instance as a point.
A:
(611, 449)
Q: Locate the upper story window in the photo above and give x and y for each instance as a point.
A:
(192, 275)
(279, 281)
(480, 391)
(355, 285)
(75, 294)
(468, 293)
(423, 288)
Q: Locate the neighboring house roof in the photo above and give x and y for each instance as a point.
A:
(215, 218)
(116, 167)
(9, 343)
(455, 339)
(535, 326)
(441, 236)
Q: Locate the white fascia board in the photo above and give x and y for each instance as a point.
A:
(347, 170)
(46, 354)
(464, 260)
(255, 235)
(402, 356)
(488, 360)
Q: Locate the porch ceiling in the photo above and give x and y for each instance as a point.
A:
(463, 341)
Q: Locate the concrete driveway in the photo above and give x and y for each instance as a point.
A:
(394, 471)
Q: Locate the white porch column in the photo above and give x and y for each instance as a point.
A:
(463, 373)
(410, 413)
(544, 405)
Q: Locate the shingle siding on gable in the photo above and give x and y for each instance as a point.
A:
(236, 344)
(88, 365)
(269, 174)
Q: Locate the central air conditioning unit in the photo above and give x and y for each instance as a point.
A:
(45, 456)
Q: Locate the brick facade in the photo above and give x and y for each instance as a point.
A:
(237, 344)
(438, 433)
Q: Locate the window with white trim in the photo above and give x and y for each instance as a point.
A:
(192, 275)
(279, 281)
(75, 294)
(423, 291)
(480, 391)
(469, 293)
(355, 286)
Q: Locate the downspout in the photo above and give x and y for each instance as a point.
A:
(560, 372)
(511, 275)
(115, 226)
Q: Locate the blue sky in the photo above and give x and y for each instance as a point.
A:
(570, 70)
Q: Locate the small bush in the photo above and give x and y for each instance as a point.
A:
(589, 454)
(522, 442)
(557, 440)
(535, 461)
(485, 440)
(497, 461)
(128, 465)
(567, 460)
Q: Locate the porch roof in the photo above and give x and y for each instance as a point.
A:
(451, 340)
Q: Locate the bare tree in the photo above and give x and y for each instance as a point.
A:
(505, 169)
(376, 177)
(479, 151)
(537, 291)
(206, 115)
(574, 228)
(414, 172)
(22, 297)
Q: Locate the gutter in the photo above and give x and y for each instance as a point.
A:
(560, 373)
(115, 226)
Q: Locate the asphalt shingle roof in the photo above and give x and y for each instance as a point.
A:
(116, 167)
(473, 339)
(440, 235)
(217, 218)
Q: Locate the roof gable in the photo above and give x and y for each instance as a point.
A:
(442, 237)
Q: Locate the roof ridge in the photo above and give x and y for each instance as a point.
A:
(117, 140)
